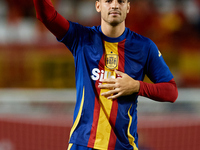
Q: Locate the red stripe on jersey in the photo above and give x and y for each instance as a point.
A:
(121, 55)
(94, 124)
(96, 112)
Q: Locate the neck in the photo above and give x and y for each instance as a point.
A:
(112, 31)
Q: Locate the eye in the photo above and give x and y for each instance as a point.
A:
(121, 1)
(108, 1)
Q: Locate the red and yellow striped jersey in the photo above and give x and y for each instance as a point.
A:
(100, 123)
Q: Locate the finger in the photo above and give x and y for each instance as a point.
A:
(106, 86)
(109, 93)
(119, 73)
(115, 96)
(110, 80)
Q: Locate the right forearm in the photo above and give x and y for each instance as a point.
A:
(45, 10)
(47, 14)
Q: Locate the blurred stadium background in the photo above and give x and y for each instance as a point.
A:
(37, 84)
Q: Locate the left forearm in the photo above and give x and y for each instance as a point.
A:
(163, 92)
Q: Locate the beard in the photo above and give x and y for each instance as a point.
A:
(113, 22)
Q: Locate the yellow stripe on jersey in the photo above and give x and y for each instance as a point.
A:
(130, 137)
(70, 146)
(104, 127)
(79, 114)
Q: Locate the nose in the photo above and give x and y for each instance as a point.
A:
(115, 4)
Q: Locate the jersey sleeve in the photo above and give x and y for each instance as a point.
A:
(156, 68)
(164, 89)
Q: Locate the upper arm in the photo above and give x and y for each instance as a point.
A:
(157, 69)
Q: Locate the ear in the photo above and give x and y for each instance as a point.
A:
(97, 6)
(128, 7)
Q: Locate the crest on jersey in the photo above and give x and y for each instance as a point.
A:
(111, 61)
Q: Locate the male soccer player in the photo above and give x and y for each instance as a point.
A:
(111, 62)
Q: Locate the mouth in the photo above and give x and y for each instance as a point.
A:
(114, 13)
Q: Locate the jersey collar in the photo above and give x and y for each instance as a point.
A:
(109, 39)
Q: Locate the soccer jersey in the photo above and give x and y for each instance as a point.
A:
(98, 122)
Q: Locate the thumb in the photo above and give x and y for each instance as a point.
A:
(119, 73)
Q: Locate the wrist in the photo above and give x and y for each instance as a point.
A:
(134, 86)
(138, 87)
